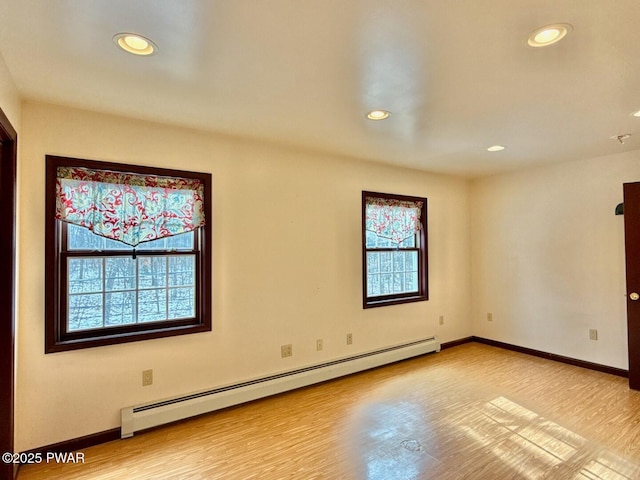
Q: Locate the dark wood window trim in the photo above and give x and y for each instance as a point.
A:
(56, 337)
(423, 258)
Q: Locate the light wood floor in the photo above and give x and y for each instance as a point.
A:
(469, 412)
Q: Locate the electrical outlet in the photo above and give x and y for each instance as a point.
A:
(286, 350)
(319, 344)
(147, 378)
(349, 338)
(441, 319)
(593, 334)
(489, 317)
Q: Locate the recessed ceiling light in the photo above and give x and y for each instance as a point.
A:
(636, 114)
(136, 44)
(378, 114)
(495, 148)
(549, 34)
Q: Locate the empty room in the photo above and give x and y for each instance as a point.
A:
(320, 239)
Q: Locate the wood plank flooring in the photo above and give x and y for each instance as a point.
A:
(469, 412)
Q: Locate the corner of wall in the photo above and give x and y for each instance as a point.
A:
(10, 102)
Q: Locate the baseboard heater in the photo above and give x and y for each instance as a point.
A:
(142, 417)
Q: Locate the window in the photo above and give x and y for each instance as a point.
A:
(394, 249)
(127, 253)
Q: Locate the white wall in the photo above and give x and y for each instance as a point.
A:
(548, 258)
(287, 269)
(540, 249)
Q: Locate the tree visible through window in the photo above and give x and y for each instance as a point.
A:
(394, 249)
(127, 253)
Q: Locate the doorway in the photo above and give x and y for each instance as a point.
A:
(8, 148)
(632, 262)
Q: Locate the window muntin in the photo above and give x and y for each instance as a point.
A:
(394, 272)
(101, 291)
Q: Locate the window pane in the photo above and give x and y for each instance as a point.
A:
(181, 303)
(386, 265)
(120, 308)
(392, 272)
(132, 290)
(374, 241)
(152, 305)
(398, 282)
(182, 270)
(152, 272)
(81, 238)
(373, 262)
(181, 242)
(411, 282)
(386, 284)
(371, 239)
(159, 244)
(373, 285)
(160, 279)
(115, 245)
(85, 312)
(120, 273)
(398, 261)
(409, 242)
(85, 275)
(411, 261)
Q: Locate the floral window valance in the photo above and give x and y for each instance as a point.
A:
(396, 220)
(128, 207)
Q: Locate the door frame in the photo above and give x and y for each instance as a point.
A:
(632, 265)
(8, 163)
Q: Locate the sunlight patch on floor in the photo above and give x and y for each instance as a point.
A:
(538, 445)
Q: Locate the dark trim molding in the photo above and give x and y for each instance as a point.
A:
(76, 444)
(8, 166)
(552, 356)
(455, 343)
